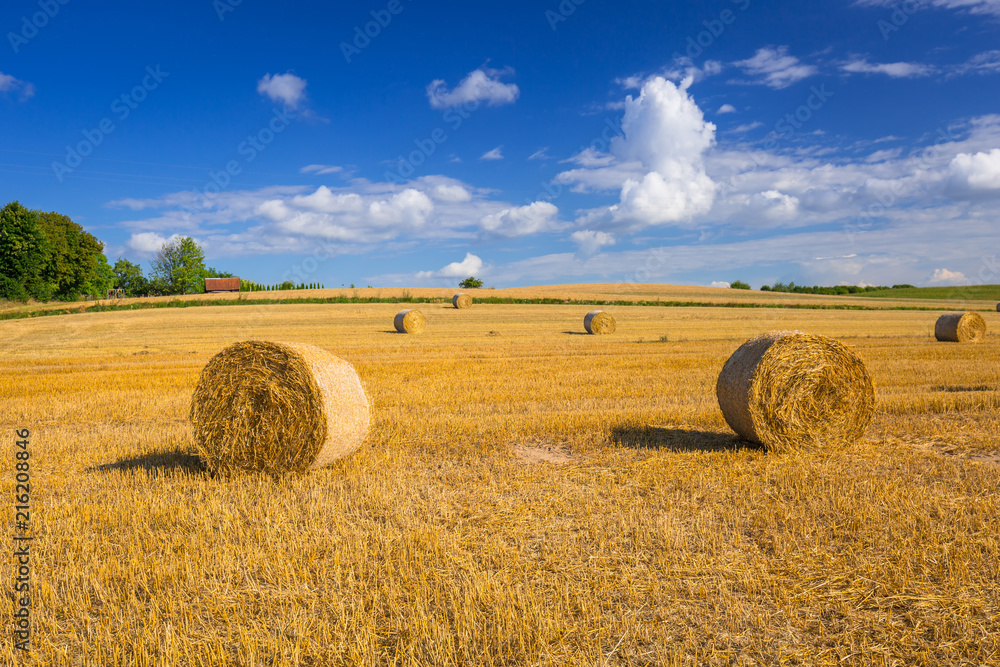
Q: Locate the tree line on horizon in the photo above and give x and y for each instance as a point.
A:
(46, 256)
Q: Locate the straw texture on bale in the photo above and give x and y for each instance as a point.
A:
(791, 391)
(277, 407)
(599, 322)
(960, 327)
(410, 321)
(461, 301)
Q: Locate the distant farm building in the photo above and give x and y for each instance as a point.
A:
(222, 284)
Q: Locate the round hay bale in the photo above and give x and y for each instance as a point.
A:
(960, 328)
(277, 407)
(410, 321)
(599, 322)
(461, 301)
(791, 391)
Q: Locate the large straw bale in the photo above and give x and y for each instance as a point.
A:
(461, 301)
(791, 391)
(410, 321)
(277, 407)
(599, 322)
(960, 327)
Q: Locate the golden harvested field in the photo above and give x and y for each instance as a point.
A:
(585, 292)
(528, 495)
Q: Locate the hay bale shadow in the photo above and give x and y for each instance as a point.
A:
(679, 439)
(163, 462)
(576, 333)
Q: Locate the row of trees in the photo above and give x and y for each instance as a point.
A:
(47, 256)
(250, 286)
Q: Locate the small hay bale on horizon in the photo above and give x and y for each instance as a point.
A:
(959, 327)
(277, 407)
(461, 301)
(599, 322)
(792, 391)
(410, 321)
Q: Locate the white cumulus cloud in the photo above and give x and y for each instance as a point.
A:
(148, 243)
(590, 242)
(657, 161)
(974, 174)
(481, 85)
(946, 277)
(539, 216)
(720, 283)
(470, 266)
(285, 88)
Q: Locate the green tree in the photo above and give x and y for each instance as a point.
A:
(739, 284)
(76, 262)
(179, 267)
(128, 276)
(24, 251)
(471, 283)
(101, 279)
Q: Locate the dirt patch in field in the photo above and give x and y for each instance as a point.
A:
(950, 449)
(542, 453)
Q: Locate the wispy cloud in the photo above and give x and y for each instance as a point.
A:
(10, 84)
(971, 6)
(321, 169)
(773, 67)
(899, 70)
(495, 154)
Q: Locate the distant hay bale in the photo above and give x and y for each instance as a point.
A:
(791, 391)
(461, 301)
(960, 328)
(410, 321)
(277, 407)
(599, 322)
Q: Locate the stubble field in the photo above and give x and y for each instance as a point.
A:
(527, 495)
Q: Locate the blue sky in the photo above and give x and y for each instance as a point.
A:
(396, 142)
